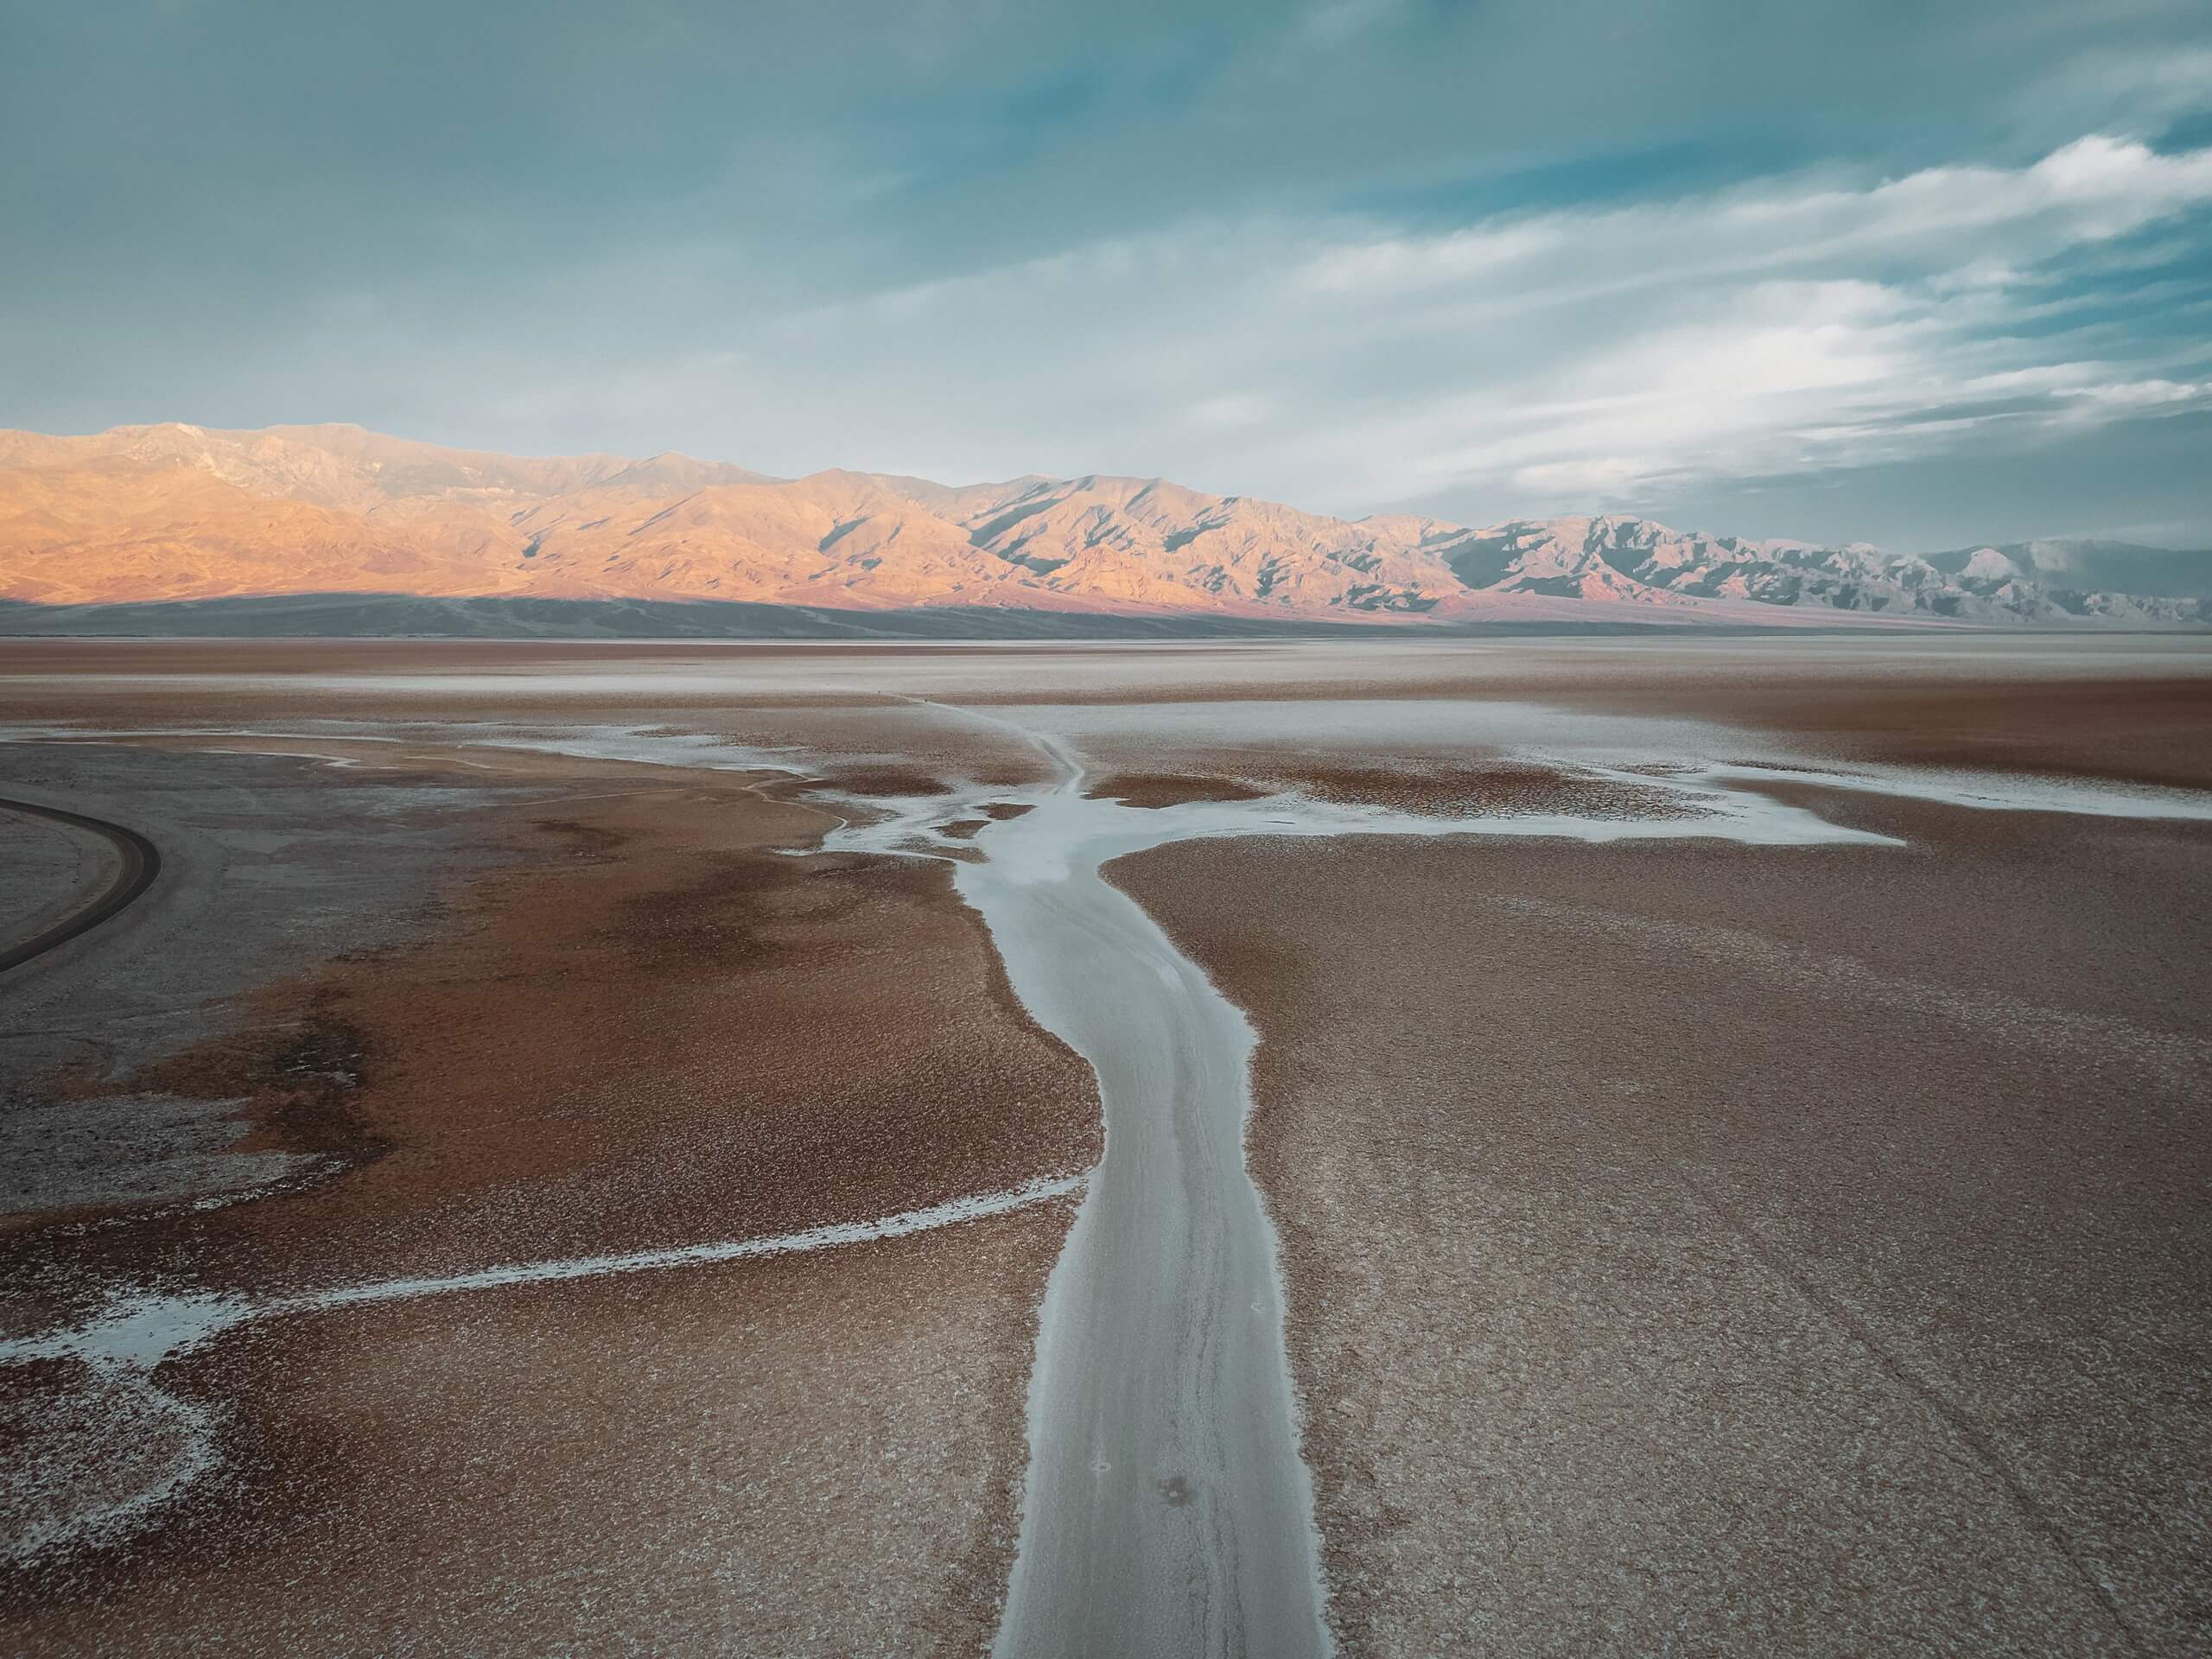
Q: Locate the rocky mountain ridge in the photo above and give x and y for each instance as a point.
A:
(174, 513)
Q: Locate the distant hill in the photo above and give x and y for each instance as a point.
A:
(2086, 566)
(173, 516)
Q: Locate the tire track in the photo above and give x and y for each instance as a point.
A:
(142, 863)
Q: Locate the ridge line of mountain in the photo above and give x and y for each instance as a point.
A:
(173, 512)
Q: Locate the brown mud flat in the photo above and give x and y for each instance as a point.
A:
(660, 1029)
(34, 655)
(1154, 789)
(649, 1027)
(812, 1455)
(664, 1028)
(1420, 785)
(1751, 1249)
(894, 781)
(2140, 730)
(1493, 789)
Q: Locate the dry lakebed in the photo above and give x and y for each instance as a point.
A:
(1514, 1147)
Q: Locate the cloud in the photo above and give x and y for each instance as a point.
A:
(1335, 21)
(1964, 220)
(1535, 361)
(2136, 394)
(1231, 409)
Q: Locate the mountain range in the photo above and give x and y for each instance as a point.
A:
(173, 512)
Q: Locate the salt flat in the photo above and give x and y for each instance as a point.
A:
(731, 947)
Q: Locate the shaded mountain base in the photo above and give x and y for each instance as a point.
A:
(385, 615)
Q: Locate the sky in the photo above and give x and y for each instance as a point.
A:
(1919, 274)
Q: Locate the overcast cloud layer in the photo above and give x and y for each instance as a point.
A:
(1911, 274)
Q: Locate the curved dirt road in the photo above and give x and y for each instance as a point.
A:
(141, 863)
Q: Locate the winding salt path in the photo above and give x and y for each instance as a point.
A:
(1167, 1508)
(1168, 1511)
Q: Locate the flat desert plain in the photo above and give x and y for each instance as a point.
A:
(1533, 1147)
